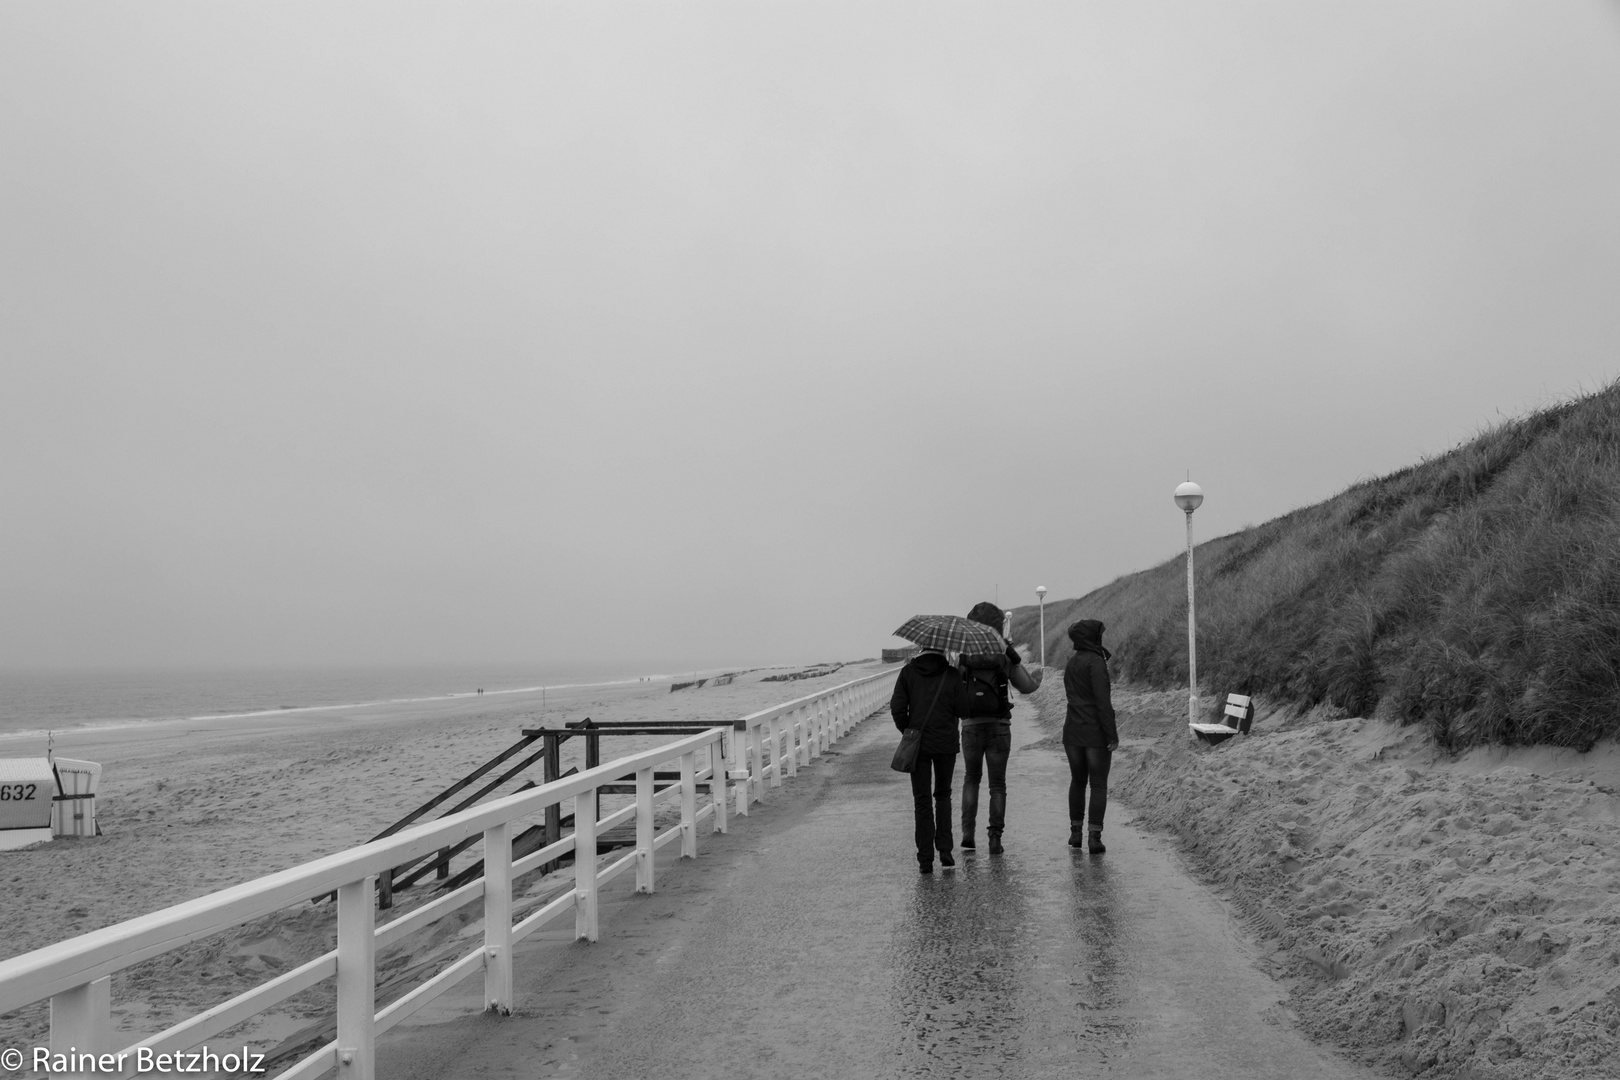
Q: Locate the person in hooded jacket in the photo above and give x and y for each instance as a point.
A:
(1089, 733)
(928, 694)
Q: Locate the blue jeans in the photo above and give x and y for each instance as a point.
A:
(933, 809)
(985, 744)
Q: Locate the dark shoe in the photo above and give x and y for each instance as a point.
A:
(1077, 834)
(995, 844)
(1095, 845)
(946, 859)
(925, 868)
(967, 841)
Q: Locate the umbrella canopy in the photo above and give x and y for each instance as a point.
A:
(951, 633)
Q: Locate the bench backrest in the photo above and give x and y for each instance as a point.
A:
(1239, 712)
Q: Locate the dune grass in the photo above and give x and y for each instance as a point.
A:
(1477, 592)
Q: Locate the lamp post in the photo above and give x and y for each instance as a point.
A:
(1040, 593)
(1189, 497)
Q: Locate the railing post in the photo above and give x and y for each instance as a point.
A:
(737, 762)
(498, 918)
(593, 758)
(817, 727)
(644, 830)
(356, 981)
(585, 925)
(81, 1018)
(756, 781)
(551, 766)
(719, 774)
(689, 805)
(794, 743)
(776, 751)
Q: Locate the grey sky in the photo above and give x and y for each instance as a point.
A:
(732, 333)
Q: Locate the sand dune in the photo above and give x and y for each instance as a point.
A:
(1438, 916)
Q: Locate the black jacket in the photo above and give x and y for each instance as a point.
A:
(1090, 720)
(929, 692)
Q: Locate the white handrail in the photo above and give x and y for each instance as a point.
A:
(808, 724)
(75, 974)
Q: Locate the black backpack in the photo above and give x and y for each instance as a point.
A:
(984, 677)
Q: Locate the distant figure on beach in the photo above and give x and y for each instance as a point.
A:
(987, 726)
(1089, 734)
(928, 695)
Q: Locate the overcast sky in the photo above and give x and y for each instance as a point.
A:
(714, 333)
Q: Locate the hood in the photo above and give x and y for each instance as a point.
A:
(1086, 634)
(930, 663)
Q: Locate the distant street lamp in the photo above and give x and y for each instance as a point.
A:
(1189, 497)
(1040, 592)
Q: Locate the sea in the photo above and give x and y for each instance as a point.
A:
(47, 700)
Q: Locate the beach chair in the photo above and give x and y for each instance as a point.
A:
(73, 811)
(27, 788)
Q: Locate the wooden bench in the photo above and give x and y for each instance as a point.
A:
(1239, 714)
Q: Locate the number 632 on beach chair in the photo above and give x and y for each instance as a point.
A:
(1238, 715)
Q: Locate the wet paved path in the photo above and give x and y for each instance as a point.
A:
(809, 946)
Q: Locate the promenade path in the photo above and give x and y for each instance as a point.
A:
(805, 944)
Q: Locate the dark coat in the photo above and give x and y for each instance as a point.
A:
(1090, 720)
(929, 692)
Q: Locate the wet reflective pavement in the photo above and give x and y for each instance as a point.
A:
(809, 946)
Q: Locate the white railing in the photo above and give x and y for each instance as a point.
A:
(75, 975)
(776, 741)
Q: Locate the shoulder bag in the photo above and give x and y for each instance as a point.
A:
(905, 755)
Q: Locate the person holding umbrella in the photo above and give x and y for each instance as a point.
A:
(987, 725)
(1090, 735)
(928, 695)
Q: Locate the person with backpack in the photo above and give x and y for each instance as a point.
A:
(987, 726)
(928, 696)
(1090, 735)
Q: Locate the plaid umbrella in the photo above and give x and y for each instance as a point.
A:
(951, 633)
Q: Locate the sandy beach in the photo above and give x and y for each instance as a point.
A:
(189, 807)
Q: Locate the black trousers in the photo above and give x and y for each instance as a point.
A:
(933, 808)
(1088, 765)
